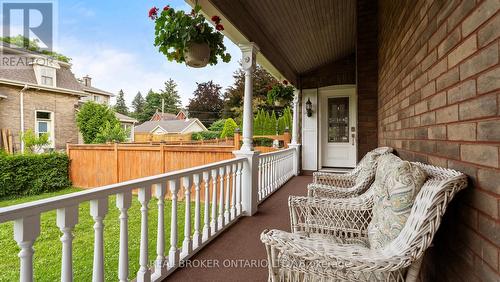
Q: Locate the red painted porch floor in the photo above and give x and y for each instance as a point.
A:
(237, 254)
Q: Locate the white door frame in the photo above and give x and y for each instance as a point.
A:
(322, 111)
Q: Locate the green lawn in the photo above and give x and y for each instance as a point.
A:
(48, 246)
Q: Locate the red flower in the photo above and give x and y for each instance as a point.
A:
(269, 87)
(216, 19)
(166, 8)
(219, 27)
(285, 82)
(153, 13)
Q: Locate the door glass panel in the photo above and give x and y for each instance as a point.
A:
(338, 120)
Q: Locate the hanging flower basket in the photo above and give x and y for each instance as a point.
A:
(279, 93)
(189, 38)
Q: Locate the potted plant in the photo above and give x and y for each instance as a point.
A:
(189, 38)
(279, 93)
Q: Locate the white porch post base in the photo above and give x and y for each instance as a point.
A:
(296, 159)
(249, 181)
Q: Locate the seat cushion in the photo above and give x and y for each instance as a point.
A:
(397, 183)
(368, 166)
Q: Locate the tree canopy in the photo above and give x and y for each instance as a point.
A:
(91, 119)
(121, 106)
(32, 45)
(153, 101)
(207, 104)
(138, 104)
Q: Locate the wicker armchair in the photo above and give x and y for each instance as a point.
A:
(329, 239)
(351, 184)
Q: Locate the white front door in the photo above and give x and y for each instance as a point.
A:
(338, 127)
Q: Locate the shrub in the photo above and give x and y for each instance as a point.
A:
(31, 174)
(109, 133)
(34, 143)
(229, 128)
(217, 125)
(264, 142)
(205, 135)
(91, 118)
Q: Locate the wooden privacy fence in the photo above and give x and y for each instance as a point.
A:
(98, 165)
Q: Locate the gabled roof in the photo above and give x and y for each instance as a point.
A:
(23, 73)
(124, 118)
(91, 89)
(170, 126)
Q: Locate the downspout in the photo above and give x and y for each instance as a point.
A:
(21, 109)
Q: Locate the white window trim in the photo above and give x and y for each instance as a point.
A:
(52, 138)
(48, 69)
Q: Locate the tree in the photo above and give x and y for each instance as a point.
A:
(111, 133)
(233, 97)
(121, 106)
(34, 143)
(93, 116)
(207, 104)
(32, 45)
(138, 104)
(153, 102)
(229, 128)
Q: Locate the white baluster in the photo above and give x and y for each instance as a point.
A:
(66, 220)
(227, 217)
(98, 210)
(239, 173)
(144, 273)
(206, 212)
(233, 193)
(213, 223)
(221, 197)
(160, 268)
(260, 181)
(26, 230)
(187, 245)
(123, 203)
(173, 255)
(196, 234)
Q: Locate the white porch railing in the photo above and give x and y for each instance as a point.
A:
(224, 207)
(275, 169)
(221, 183)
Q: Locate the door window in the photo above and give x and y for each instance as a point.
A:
(338, 120)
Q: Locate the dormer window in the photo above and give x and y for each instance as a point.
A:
(47, 77)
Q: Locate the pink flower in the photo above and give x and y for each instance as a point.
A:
(153, 13)
(219, 27)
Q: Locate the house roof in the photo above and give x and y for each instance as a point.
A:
(124, 118)
(95, 90)
(21, 72)
(170, 126)
(165, 116)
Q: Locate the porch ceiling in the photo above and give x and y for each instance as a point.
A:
(295, 36)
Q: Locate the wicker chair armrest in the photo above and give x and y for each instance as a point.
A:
(343, 218)
(327, 191)
(337, 258)
(332, 179)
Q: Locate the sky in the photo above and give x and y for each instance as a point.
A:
(112, 41)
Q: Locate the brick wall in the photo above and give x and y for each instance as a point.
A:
(439, 96)
(366, 75)
(62, 105)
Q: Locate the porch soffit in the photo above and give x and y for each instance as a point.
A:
(295, 36)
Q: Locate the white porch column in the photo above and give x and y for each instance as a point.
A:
(249, 52)
(249, 181)
(295, 133)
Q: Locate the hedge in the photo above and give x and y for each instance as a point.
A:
(31, 174)
(205, 135)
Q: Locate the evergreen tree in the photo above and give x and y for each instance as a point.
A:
(171, 97)
(207, 104)
(138, 104)
(121, 106)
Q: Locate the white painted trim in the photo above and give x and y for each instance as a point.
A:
(52, 132)
(159, 126)
(195, 120)
(42, 87)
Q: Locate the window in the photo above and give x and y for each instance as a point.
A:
(47, 77)
(44, 125)
(97, 98)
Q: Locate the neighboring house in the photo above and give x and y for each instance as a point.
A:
(38, 93)
(102, 97)
(181, 115)
(170, 127)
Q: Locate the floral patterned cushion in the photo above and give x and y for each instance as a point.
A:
(397, 183)
(368, 165)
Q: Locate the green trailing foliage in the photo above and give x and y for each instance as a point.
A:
(31, 174)
(229, 128)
